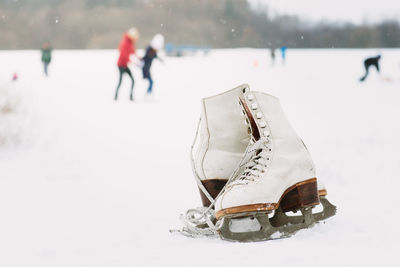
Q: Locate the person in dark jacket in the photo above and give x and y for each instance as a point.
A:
(148, 58)
(157, 43)
(46, 57)
(272, 52)
(126, 48)
(372, 61)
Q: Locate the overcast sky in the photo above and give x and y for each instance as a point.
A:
(337, 10)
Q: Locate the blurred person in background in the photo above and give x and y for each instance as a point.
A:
(272, 51)
(14, 77)
(283, 53)
(371, 61)
(156, 44)
(46, 57)
(126, 49)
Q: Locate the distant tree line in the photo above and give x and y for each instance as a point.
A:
(77, 24)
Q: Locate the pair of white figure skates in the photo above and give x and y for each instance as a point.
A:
(249, 174)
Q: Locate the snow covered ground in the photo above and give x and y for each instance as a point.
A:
(86, 181)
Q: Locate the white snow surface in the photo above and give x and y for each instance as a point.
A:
(94, 182)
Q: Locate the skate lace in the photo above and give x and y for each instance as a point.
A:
(258, 158)
(198, 222)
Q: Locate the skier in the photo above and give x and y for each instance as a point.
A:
(46, 57)
(372, 61)
(156, 44)
(126, 48)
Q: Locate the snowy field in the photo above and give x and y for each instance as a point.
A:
(87, 181)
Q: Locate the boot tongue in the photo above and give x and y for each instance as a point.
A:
(253, 125)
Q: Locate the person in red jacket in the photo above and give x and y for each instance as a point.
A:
(126, 48)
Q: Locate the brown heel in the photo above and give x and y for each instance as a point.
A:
(213, 186)
(304, 194)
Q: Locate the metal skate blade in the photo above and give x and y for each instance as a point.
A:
(266, 230)
(328, 211)
(256, 226)
(281, 219)
(259, 234)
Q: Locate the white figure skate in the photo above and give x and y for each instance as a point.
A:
(278, 176)
(218, 149)
(220, 142)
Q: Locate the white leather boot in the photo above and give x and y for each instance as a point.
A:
(280, 162)
(279, 174)
(220, 146)
(221, 140)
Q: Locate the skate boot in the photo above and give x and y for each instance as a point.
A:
(278, 176)
(219, 147)
(220, 142)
